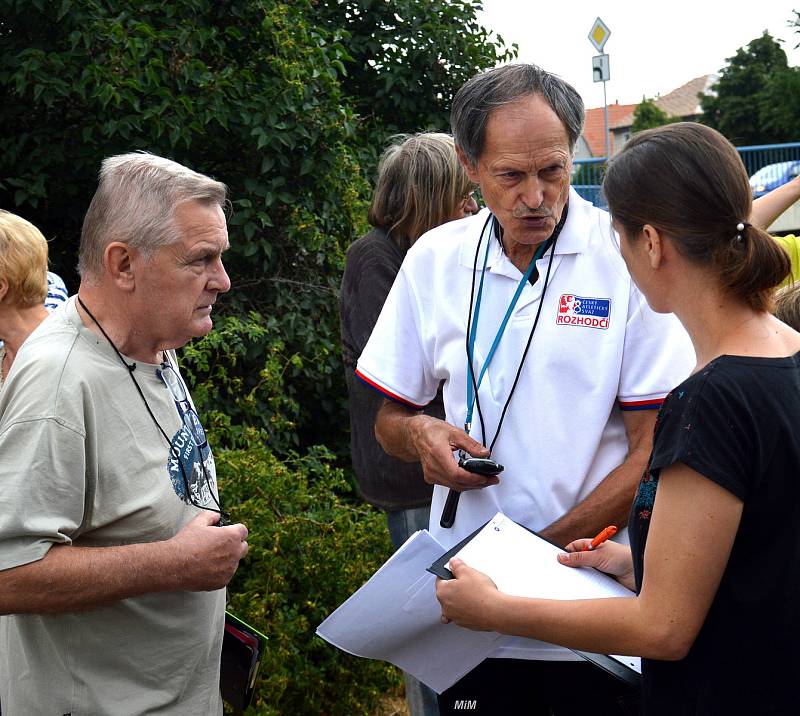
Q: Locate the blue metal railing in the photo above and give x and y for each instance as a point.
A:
(774, 161)
(762, 155)
(587, 179)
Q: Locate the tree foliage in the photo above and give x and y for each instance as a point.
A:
(777, 112)
(246, 91)
(234, 89)
(750, 104)
(286, 101)
(648, 114)
(407, 58)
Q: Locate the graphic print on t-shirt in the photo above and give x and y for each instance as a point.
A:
(184, 459)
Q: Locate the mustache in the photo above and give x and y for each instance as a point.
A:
(527, 213)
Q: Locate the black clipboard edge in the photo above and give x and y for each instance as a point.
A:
(438, 567)
(615, 668)
(237, 682)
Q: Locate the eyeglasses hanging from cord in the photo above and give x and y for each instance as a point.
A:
(176, 387)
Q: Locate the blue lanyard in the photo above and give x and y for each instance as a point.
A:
(474, 330)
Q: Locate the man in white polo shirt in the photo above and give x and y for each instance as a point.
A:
(569, 362)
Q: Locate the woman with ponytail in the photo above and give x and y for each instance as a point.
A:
(714, 558)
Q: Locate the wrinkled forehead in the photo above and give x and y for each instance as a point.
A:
(195, 220)
(528, 122)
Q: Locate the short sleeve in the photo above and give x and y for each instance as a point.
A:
(395, 360)
(705, 426)
(42, 468)
(657, 355)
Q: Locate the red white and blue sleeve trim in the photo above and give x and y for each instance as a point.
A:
(386, 392)
(649, 404)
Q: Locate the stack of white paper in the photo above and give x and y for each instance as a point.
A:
(395, 617)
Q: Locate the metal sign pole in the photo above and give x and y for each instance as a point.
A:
(608, 136)
(598, 36)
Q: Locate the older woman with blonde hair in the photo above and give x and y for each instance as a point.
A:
(420, 186)
(23, 285)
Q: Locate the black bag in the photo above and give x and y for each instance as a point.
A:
(242, 647)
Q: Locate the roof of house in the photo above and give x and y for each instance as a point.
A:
(681, 102)
(594, 126)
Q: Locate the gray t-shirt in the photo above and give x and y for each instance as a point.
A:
(83, 463)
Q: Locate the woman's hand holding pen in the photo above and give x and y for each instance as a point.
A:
(470, 599)
(612, 558)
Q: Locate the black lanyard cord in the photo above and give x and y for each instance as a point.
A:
(131, 367)
(470, 318)
(552, 248)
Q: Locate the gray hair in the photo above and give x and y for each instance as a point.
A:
(420, 184)
(135, 204)
(488, 91)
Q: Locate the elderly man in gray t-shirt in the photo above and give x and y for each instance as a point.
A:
(112, 566)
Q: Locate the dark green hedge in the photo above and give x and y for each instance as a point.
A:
(311, 546)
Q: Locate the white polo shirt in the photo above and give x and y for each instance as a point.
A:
(598, 349)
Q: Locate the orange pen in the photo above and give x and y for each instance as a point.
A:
(609, 531)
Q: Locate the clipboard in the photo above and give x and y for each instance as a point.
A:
(625, 668)
(438, 567)
(242, 649)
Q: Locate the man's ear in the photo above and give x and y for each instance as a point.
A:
(654, 241)
(469, 168)
(118, 260)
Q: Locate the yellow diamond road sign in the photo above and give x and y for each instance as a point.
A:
(599, 34)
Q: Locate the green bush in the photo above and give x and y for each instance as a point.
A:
(287, 101)
(310, 548)
(244, 357)
(245, 91)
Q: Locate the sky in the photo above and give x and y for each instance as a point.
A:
(653, 48)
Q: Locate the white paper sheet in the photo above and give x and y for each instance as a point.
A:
(522, 564)
(395, 617)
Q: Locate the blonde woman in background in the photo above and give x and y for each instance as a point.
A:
(23, 285)
(420, 186)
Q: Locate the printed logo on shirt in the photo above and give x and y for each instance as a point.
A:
(184, 459)
(583, 311)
